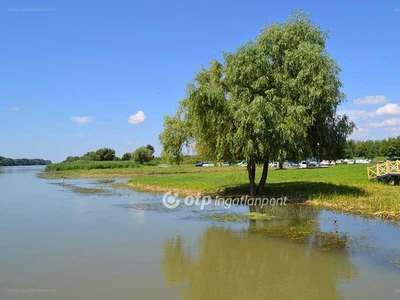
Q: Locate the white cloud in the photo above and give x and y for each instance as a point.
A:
(137, 118)
(393, 130)
(130, 143)
(357, 115)
(15, 109)
(370, 100)
(82, 120)
(361, 130)
(360, 133)
(384, 123)
(389, 109)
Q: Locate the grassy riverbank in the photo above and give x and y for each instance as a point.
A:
(342, 187)
(70, 172)
(91, 165)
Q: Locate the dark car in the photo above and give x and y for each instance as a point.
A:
(199, 164)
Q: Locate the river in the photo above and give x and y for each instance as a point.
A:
(87, 239)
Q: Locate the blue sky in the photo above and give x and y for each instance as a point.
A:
(74, 74)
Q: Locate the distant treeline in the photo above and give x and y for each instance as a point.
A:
(373, 148)
(105, 158)
(141, 155)
(5, 161)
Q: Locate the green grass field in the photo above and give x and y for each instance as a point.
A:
(236, 178)
(72, 170)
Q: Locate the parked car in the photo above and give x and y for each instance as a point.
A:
(303, 165)
(208, 164)
(199, 164)
(325, 163)
(226, 164)
(242, 164)
(312, 164)
(348, 161)
(362, 161)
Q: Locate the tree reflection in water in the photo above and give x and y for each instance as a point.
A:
(226, 264)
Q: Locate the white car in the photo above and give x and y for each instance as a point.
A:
(208, 164)
(348, 161)
(242, 164)
(303, 165)
(362, 161)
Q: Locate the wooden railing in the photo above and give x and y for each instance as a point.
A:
(382, 169)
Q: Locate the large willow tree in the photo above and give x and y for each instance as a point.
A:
(273, 96)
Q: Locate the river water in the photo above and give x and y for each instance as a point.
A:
(86, 239)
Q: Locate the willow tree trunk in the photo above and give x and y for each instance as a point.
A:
(251, 170)
(281, 165)
(263, 179)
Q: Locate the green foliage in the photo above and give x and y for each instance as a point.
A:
(151, 148)
(4, 161)
(151, 163)
(373, 148)
(127, 156)
(90, 156)
(173, 138)
(192, 159)
(91, 165)
(72, 158)
(105, 154)
(274, 97)
(142, 155)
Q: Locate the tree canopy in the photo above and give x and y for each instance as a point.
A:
(173, 138)
(371, 148)
(103, 154)
(274, 96)
(6, 161)
(127, 156)
(143, 154)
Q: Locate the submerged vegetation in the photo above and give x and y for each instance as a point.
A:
(85, 190)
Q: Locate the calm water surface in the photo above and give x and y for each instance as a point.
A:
(84, 239)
